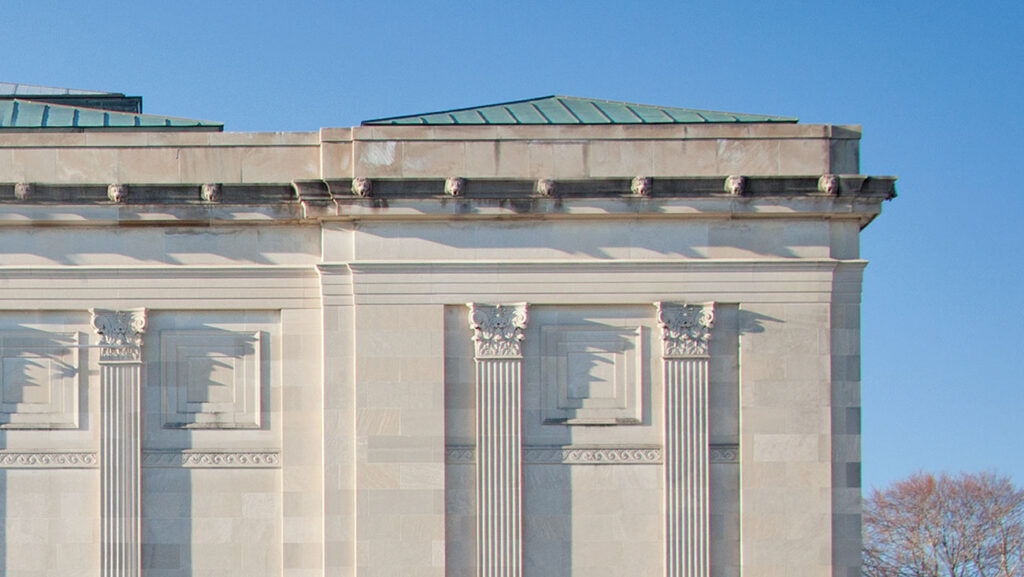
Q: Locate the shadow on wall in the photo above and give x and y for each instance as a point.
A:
(580, 517)
(566, 239)
(40, 390)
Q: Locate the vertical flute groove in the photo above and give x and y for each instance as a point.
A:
(685, 335)
(120, 440)
(498, 334)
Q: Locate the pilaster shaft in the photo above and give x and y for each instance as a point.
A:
(498, 335)
(120, 439)
(685, 332)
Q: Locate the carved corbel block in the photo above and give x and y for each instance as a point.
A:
(117, 192)
(455, 186)
(23, 190)
(735, 185)
(362, 186)
(828, 184)
(545, 187)
(210, 192)
(641, 185)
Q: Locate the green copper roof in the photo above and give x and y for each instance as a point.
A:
(17, 114)
(572, 110)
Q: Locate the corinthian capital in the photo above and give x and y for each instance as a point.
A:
(120, 333)
(685, 329)
(498, 329)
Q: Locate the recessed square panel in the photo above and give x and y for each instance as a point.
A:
(591, 375)
(211, 379)
(38, 380)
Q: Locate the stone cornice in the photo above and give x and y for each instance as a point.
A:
(323, 191)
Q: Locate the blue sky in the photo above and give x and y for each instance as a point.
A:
(936, 85)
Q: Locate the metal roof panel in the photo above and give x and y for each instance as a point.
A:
(28, 114)
(572, 110)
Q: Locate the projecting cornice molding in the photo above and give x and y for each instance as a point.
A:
(362, 189)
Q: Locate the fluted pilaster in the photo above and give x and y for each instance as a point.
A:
(497, 336)
(685, 332)
(120, 439)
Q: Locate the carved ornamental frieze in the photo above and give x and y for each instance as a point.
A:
(685, 329)
(498, 331)
(120, 333)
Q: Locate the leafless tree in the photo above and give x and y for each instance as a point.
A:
(966, 525)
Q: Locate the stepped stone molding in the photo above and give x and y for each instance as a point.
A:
(48, 460)
(592, 375)
(498, 333)
(498, 330)
(685, 332)
(39, 380)
(120, 439)
(194, 459)
(211, 379)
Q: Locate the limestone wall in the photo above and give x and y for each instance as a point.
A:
(642, 382)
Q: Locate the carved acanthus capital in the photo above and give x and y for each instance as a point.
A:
(498, 330)
(685, 329)
(735, 185)
(641, 185)
(120, 333)
(455, 186)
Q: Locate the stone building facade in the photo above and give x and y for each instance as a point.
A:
(444, 345)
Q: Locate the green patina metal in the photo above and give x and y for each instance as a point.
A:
(572, 110)
(18, 114)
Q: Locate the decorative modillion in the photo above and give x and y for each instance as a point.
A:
(117, 192)
(23, 190)
(828, 184)
(641, 185)
(210, 192)
(362, 187)
(455, 186)
(545, 187)
(735, 185)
